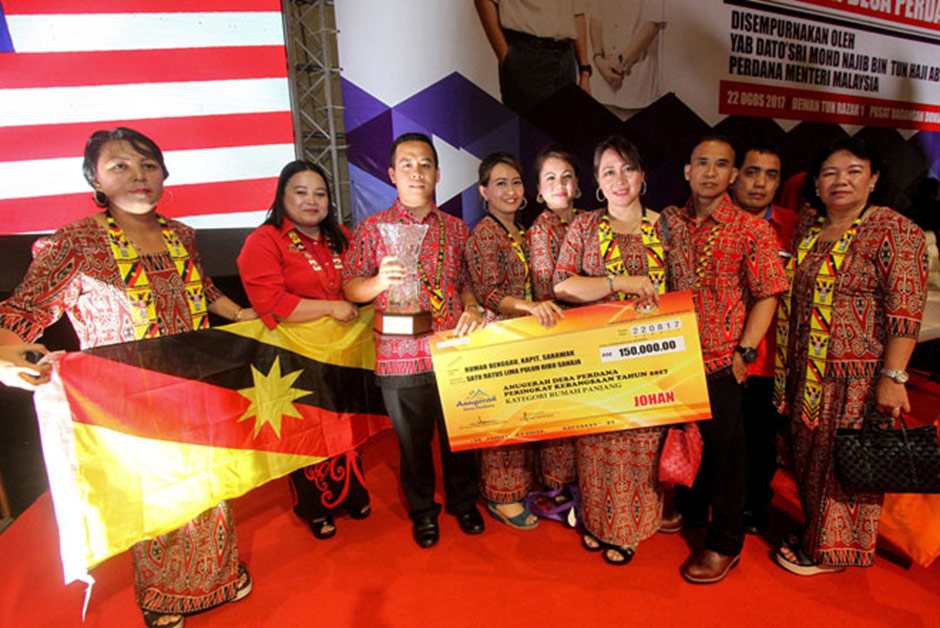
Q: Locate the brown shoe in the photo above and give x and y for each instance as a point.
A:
(671, 523)
(708, 567)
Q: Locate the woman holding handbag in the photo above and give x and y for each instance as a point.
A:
(609, 255)
(845, 333)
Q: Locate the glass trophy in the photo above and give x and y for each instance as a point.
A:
(403, 315)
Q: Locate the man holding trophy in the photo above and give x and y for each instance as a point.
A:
(409, 260)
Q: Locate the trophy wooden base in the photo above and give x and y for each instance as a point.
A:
(403, 324)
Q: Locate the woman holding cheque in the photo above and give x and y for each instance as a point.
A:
(556, 172)
(500, 271)
(609, 255)
(292, 270)
(86, 270)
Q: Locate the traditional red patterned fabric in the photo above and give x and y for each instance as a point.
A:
(544, 238)
(401, 355)
(495, 273)
(192, 568)
(742, 268)
(555, 457)
(783, 221)
(276, 275)
(74, 273)
(621, 499)
(581, 252)
(494, 266)
(880, 292)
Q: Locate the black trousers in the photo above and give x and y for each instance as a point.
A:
(323, 488)
(415, 411)
(721, 482)
(534, 69)
(761, 422)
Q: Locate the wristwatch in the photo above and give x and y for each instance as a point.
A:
(749, 354)
(586, 68)
(898, 377)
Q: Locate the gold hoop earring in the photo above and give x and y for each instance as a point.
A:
(525, 203)
(539, 199)
(643, 188)
(577, 193)
(599, 195)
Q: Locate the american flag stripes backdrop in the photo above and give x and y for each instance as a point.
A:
(206, 79)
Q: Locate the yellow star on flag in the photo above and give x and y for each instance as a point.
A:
(272, 397)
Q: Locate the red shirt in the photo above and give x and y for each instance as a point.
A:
(277, 275)
(784, 222)
(402, 355)
(743, 267)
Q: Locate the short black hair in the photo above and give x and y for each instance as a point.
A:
(764, 147)
(410, 137)
(329, 226)
(858, 147)
(713, 137)
(138, 141)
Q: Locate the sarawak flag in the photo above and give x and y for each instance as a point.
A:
(141, 437)
(206, 79)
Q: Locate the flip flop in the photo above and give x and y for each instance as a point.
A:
(519, 522)
(798, 562)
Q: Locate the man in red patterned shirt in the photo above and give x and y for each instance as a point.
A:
(754, 190)
(729, 261)
(403, 363)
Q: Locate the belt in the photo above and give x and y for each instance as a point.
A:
(537, 42)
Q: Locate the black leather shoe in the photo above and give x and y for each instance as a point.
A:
(425, 531)
(471, 522)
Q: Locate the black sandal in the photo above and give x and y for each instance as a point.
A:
(360, 513)
(591, 543)
(625, 555)
(323, 528)
(152, 619)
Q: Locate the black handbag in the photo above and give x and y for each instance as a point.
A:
(874, 460)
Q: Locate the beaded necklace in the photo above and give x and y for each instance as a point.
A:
(613, 262)
(137, 284)
(820, 319)
(314, 264)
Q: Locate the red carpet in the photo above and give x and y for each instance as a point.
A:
(372, 574)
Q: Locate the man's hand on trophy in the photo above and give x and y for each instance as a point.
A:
(391, 272)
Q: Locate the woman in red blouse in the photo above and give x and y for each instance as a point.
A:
(876, 299)
(556, 172)
(292, 270)
(80, 271)
(500, 272)
(605, 257)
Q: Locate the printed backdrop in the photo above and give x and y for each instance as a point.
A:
(797, 73)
